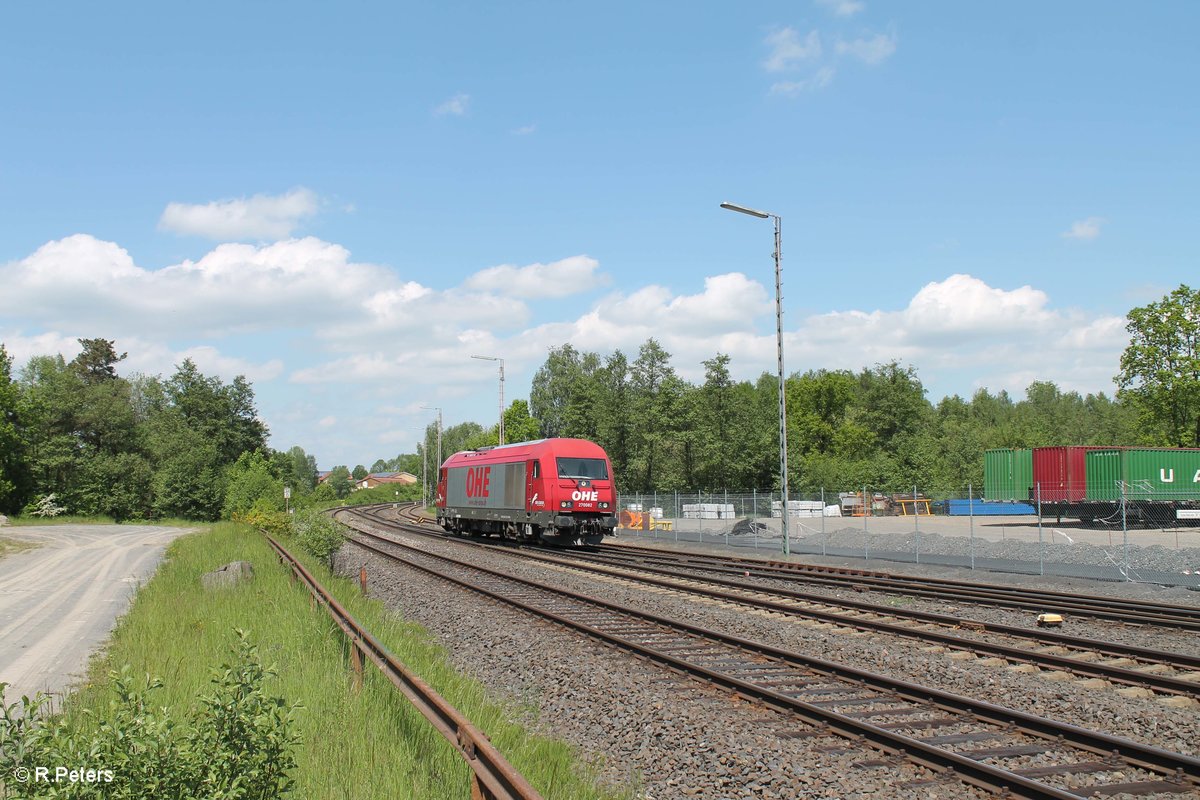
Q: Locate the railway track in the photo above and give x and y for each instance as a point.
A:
(985, 745)
(492, 776)
(1184, 618)
(1125, 665)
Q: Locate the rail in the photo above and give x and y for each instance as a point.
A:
(492, 777)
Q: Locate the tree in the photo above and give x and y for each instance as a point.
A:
(339, 479)
(1160, 369)
(14, 470)
(359, 472)
(553, 387)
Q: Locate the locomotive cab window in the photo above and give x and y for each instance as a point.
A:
(537, 469)
(589, 468)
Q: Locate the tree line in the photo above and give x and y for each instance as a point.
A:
(186, 446)
(191, 446)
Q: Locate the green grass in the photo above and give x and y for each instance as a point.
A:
(367, 743)
(8, 546)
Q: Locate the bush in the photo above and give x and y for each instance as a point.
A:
(238, 746)
(317, 533)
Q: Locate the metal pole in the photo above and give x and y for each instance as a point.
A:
(501, 401)
(1125, 529)
(971, 511)
(824, 539)
(1041, 553)
(424, 475)
(783, 454)
(916, 523)
(866, 544)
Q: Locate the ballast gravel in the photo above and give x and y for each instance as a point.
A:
(640, 725)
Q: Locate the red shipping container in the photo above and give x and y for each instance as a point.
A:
(1060, 473)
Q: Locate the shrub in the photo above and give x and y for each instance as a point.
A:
(238, 745)
(317, 533)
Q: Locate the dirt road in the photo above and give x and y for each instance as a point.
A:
(59, 601)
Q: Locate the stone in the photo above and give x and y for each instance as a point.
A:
(3, 520)
(229, 575)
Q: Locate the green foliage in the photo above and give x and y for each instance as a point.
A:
(250, 483)
(45, 507)
(317, 533)
(1160, 369)
(238, 745)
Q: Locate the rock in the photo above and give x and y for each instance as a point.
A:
(3, 520)
(229, 575)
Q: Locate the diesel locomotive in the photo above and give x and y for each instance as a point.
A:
(557, 491)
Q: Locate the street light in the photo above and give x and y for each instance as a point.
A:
(501, 360)
(439, 434)
(783, 468)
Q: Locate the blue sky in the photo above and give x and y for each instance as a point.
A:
(345, 203)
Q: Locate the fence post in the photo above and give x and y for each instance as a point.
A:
(971, 511)
(864, 507)
(1041, 551)
(917, 523)
(362, 578)
(1125, 530)
(356, 662)
(824, 537)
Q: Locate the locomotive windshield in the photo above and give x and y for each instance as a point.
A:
(589, 468)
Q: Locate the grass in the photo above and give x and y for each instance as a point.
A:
(367, 743)
(8, 546)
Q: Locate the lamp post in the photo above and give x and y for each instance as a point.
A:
(501, 360)
(439, 433)
(783, 468)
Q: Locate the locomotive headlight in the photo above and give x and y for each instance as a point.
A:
(604, 505)
(565, 504)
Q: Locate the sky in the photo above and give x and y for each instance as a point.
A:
(345, 202)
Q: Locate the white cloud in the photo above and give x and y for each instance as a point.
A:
(524, 130)
(327, 422)
(843, 8)
(558, 279)
(1085, 229)
(822, 79)
(788, 50)
(871, 50)
(456, 106)
(265, 217)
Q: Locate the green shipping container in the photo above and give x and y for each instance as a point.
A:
(1007, 474)
(1148, 474)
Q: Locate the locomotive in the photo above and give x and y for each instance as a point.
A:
(557, 491)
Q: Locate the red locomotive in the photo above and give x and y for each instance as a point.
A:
(559, 491)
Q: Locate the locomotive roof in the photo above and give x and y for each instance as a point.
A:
(536, 449)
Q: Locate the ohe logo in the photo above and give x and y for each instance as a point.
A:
(578, 495)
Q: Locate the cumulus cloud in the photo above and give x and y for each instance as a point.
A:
(262, 216)
(788, 50)
(822, 79)
(557, 279)
(843, 8)
(1084, 230)
(456, 106)
(870, 50)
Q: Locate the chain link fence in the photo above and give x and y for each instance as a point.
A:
(1134, 537)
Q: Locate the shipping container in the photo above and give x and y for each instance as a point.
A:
(1060, 473)
(1007, 474)
(1147, 473)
